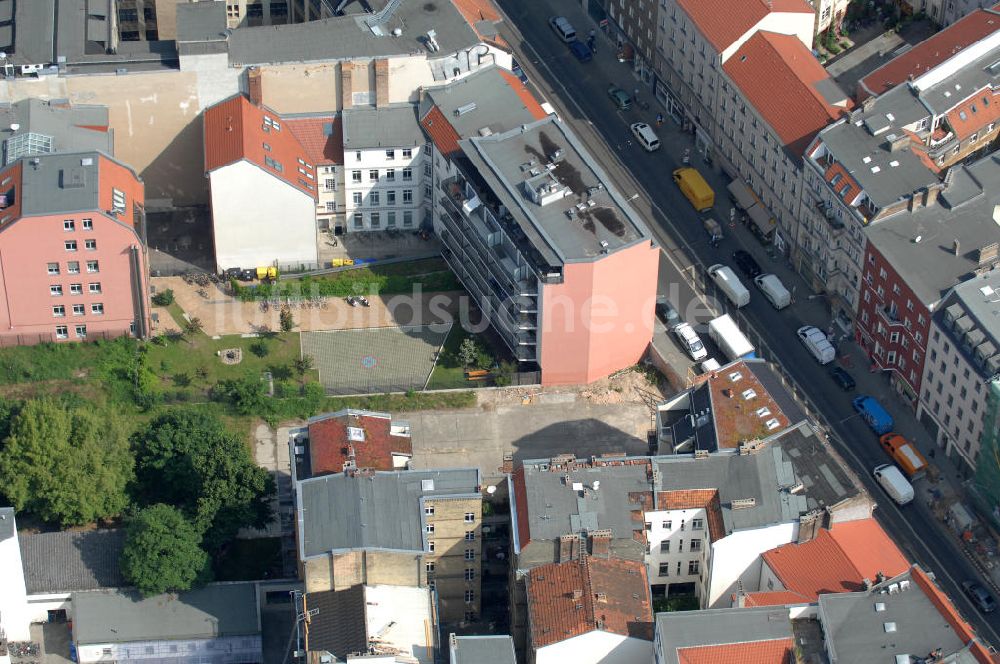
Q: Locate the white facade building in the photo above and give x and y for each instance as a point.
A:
(597, 647)
(14, 616)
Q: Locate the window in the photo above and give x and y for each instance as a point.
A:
(470, 535)
(429, 529)
(330, 184)
(407, 196)
(694, 566)
(668, 525)
(429, 510)
(59, 310)
(678, 568)
(357, 157)
(407, 153)
(62, 332)
(390, 219)
(470, 596)
(376, 199)
(276, 165)
(373, 175)
(88, 224)
(79, 310)
(429, 567)
(695, 545)
(55, 289)
(665, 546)
(375, 220)
(407, 218)
(470, 517)
(390, 174)
(53, 268)
(697, 524)
(267, 148)
(390, 197)
(407, 174)
(69, 225)
(470, 554)
(357, 198)
(70, 245)
(470, 574)
(331, 206)
(680, 546)
(664, 569)
(430, 546)
(81, 331)
(359, 220)
(76, 289)
(97, 309)
(90, 245)
(355, 176)
(95, 288)
(390, 155)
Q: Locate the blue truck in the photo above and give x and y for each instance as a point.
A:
(874, 415)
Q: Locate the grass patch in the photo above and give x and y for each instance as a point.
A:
(49, 362)
(397, 403)
(249, 560)
(675, 603)
(177, 314)
(449, 372)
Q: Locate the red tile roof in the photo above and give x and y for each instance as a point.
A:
(846, 178)
(707, 499)
(480, 10)
(441, 131)
(322, 138)
(521, 505)
(580, 596)
(930, 53)
(776, 651)
(722, 22)
(330, 445)
(778, 75)
(980, 109)
(775, 598)
(837, 563)
(237, 130)
(528, 99)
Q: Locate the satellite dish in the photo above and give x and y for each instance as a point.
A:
(918, 239)
(14, 126)
(491, 490)
(3, 55)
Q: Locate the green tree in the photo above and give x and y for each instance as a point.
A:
(164, 298)
(468, 351)
(163, 552)
(303, 365)
(68, 467)
(193, 327)
(286, 320)
(245, 394)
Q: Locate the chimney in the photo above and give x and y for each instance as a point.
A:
(956, 247)
(255, 86)
(916, 202)
(866, 583)
(931, 196)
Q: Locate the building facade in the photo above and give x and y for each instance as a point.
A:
(15, 620)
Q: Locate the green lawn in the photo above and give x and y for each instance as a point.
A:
(449, 373)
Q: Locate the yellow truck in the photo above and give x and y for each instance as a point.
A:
(695, 188)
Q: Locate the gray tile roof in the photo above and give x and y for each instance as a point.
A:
(686, 629)
(389, 127)
(497, 105)
(978, 300)
(65, 124)
(7, 527)
(856, 630)
(380, 510)
(964, 212)
(218, 610)
(355, 36)
(68, 561)
(510, 162)
(482, 650)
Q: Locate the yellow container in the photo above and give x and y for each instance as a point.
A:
(272, 273)
(262, 273)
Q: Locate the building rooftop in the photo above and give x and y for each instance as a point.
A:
(8, 528)
(373, 510)
(482, 650)
(572, 598)
(355, 35)
(723, 22)
(361, 438)
(971, 317)
(44, 127)
(339, 626)
(904, 615)
(113, 616)
(58, 183)
(389, 127)
(824, 476)
(321, 136)
(966, 213)
(942, 88)
(201, 22)
(491, 100)
(558, 196)
(747, 635)
(931, 52)
(787, 86)
(71, 561)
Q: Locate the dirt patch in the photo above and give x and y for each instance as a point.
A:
(628, 386)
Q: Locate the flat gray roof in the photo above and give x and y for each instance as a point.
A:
(201, 22)
(355, 35)
(382, 510)
(60, 183)
(823, 477)
(886, 176)
(591, 219)
(389, 127)
(965, 212)
(856, 629)
(114, 616)
(497, 106)
(68, 561)
(482, 650)
(974, 76)
(34, 32)
(67, 126)
(690, 629)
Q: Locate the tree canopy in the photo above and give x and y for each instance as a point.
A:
(68, 467)
(163, 552)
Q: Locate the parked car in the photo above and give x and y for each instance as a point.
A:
(842, 378)
(515, 69)
(580, 51)
(563, 28)
(620, 98)
(817, 343)
(666, 312)
(746, 263)
(980, 596)
(690, 342)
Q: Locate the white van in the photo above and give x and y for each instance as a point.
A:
(690, 342)
(563, 28)
(709, 365)
(730, 284)
(816, 342)
(646, 136)
(891, 479)
(775, 292)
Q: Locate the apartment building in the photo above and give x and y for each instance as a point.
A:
(417, 529)
(963, 358)
(589, 611)
(147, 20)
(635, 27)
(386, 169)
(276, 12)
(829, 14)
(946, 12)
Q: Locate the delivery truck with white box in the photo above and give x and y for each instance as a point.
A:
(727, 336)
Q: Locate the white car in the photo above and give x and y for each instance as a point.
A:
(817, 343)
(690, 342)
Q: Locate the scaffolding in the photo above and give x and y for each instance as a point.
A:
(987, 480)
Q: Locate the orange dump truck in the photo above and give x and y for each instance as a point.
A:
(905, 454)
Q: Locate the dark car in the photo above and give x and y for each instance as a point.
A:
(746, 263)
(581, 51)
(515, 69)
(666, 312)
(980, 596)
(842, 378)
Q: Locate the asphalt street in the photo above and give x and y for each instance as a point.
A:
(579, 93)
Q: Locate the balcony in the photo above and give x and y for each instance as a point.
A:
(940, 136)
(890, 315)
(827, 211)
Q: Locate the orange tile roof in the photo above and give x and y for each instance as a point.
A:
(776, 651)
(777, 74)
(322, 138)
(775, 598)
(722, 22)
(442, 133)
(980, 109)
(685, 499)
(580, 596)
(521, 505)
(852, 190)
(330, 446)
(236, 130)
(950, 613)
(480, 10)
(524, 94)
(869, 548)
(930, 53)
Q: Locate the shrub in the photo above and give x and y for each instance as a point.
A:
(164, 298)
